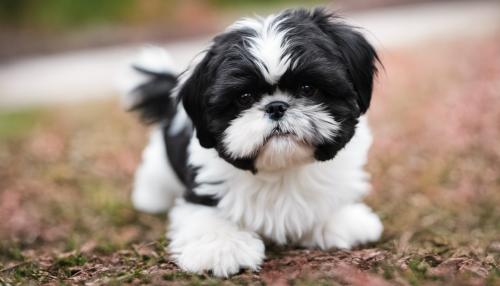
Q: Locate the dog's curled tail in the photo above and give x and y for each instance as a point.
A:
(149, 88)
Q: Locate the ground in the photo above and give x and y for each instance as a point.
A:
(66, 172)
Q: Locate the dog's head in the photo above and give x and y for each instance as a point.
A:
(276, 92)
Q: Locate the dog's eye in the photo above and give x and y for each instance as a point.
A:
(245, 99)
(307, 90)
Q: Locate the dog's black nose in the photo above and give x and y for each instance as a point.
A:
(276, 109)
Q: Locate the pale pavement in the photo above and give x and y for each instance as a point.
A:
(92, 74)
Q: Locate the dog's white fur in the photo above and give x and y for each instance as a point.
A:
(155, 186)
(203, 239)
(248, 132)
(312, 204)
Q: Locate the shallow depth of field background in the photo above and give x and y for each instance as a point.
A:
(66, 164)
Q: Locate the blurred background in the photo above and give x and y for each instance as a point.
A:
(68, 150)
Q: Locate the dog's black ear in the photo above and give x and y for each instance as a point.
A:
(358, 54)
(194, 96)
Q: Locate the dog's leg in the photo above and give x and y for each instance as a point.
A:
(156, 186)
(349, 226)
(201, 240)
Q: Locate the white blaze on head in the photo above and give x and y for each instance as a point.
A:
(267, 46)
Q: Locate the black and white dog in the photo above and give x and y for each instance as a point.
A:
(262, 138)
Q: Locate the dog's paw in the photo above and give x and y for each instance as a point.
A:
(223, 254)
(352, 225)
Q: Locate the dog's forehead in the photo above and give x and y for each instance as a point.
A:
(266, 41)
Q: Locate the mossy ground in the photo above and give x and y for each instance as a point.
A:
(66, 173)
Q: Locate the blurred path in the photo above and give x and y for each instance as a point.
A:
(94, 73)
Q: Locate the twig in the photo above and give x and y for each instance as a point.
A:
(14, 266)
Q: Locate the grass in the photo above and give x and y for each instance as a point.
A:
(65, 179)
(15, 124)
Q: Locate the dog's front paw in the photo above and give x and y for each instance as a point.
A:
(221, 253)
(350, 226)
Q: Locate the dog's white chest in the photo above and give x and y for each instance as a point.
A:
(286, 206)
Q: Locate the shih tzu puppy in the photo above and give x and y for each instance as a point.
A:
(262, 138)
